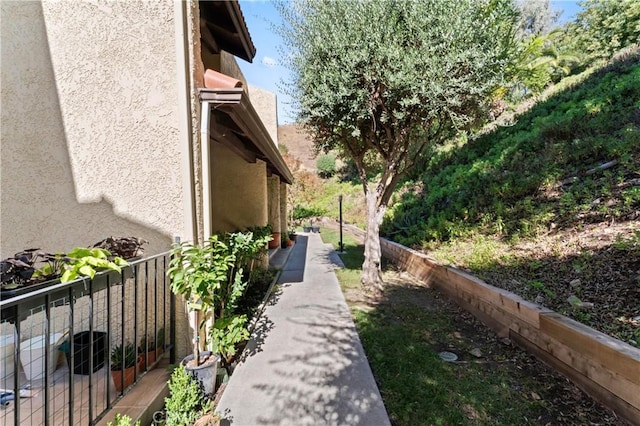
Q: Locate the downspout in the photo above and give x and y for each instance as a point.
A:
(205, 149)
(185, 135)
(184, 120)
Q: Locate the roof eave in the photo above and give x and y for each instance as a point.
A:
(238, 21)
(235, 103)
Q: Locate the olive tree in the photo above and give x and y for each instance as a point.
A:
(382, 81)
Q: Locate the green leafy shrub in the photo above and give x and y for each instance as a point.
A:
(326, 165)
(121, 360)
(184, 404)
(540, 172)
(213, 277)
(123, 420)
(87, 261)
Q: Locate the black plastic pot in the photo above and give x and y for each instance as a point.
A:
(82, 351)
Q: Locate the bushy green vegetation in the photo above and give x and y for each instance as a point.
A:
(605, 26)
(352, 257)
(326, 164)
(312, 197)
(186, 401)
(539, 173)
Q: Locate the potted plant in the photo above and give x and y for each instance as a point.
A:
(147, 350)
(293, 236)
(123, 365)
(285, 241)
(212, 277)
(197, 273)
(160, 342)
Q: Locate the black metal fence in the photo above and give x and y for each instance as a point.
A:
(61, 345)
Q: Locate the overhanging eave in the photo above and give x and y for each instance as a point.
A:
(235, 104)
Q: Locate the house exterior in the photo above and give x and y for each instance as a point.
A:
(107, 128)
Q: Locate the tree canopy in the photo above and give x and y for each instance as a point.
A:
(606, 26)
(381, 81)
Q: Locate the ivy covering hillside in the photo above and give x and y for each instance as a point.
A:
(572, 158)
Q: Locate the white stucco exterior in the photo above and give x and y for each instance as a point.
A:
(100, 130)
(266, 105)
(89, 124)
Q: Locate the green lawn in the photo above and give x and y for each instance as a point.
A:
(402, 335)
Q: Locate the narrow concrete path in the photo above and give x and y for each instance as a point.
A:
(304, 364)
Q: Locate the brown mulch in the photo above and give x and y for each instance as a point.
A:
(598, 264)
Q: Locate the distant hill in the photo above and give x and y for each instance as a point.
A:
(298, 144)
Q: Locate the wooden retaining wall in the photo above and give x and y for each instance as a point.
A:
(604, 367)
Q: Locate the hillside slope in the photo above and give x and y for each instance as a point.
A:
(548, 206)
(298, 144)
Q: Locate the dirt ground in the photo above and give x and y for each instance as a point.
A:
(597, 266)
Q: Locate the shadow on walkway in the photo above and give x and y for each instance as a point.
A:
(311, 369)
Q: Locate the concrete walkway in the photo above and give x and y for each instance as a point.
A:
(304, 364)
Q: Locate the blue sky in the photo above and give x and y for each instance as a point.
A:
(266, 71)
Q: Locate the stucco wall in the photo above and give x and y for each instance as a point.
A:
(273, 192)
(89, 131)
(265, 104)
(229, 66)
(239, 191)
(284, 213)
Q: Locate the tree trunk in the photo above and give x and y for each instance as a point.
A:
(372, 268)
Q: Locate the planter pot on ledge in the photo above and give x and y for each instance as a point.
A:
(204, 373)
(275, 242)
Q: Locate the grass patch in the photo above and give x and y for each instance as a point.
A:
(353, 257)
(417, 387)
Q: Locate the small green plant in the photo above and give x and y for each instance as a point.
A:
(123, 359)
(53, 267)
(539, 286)
(147, 344)
(185, 400)
(226, 333)
(160, 338)
(87, 261)
(123, 420)
(326, 165)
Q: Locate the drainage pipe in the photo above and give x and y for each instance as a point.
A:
(205, 149)
(185, 133)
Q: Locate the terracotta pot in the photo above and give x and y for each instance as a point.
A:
(290, 243)
(141, 364)
(275, 242)
(216, 80)
(147, 359)
(129, 375)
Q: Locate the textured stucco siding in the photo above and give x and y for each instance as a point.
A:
(239, 191)
(266, 105)
(89, 124)
(229, 66)
(284, 212)
(273, 193)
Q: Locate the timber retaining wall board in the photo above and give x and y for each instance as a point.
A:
(604, 367)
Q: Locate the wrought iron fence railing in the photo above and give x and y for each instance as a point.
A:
(61, 344)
